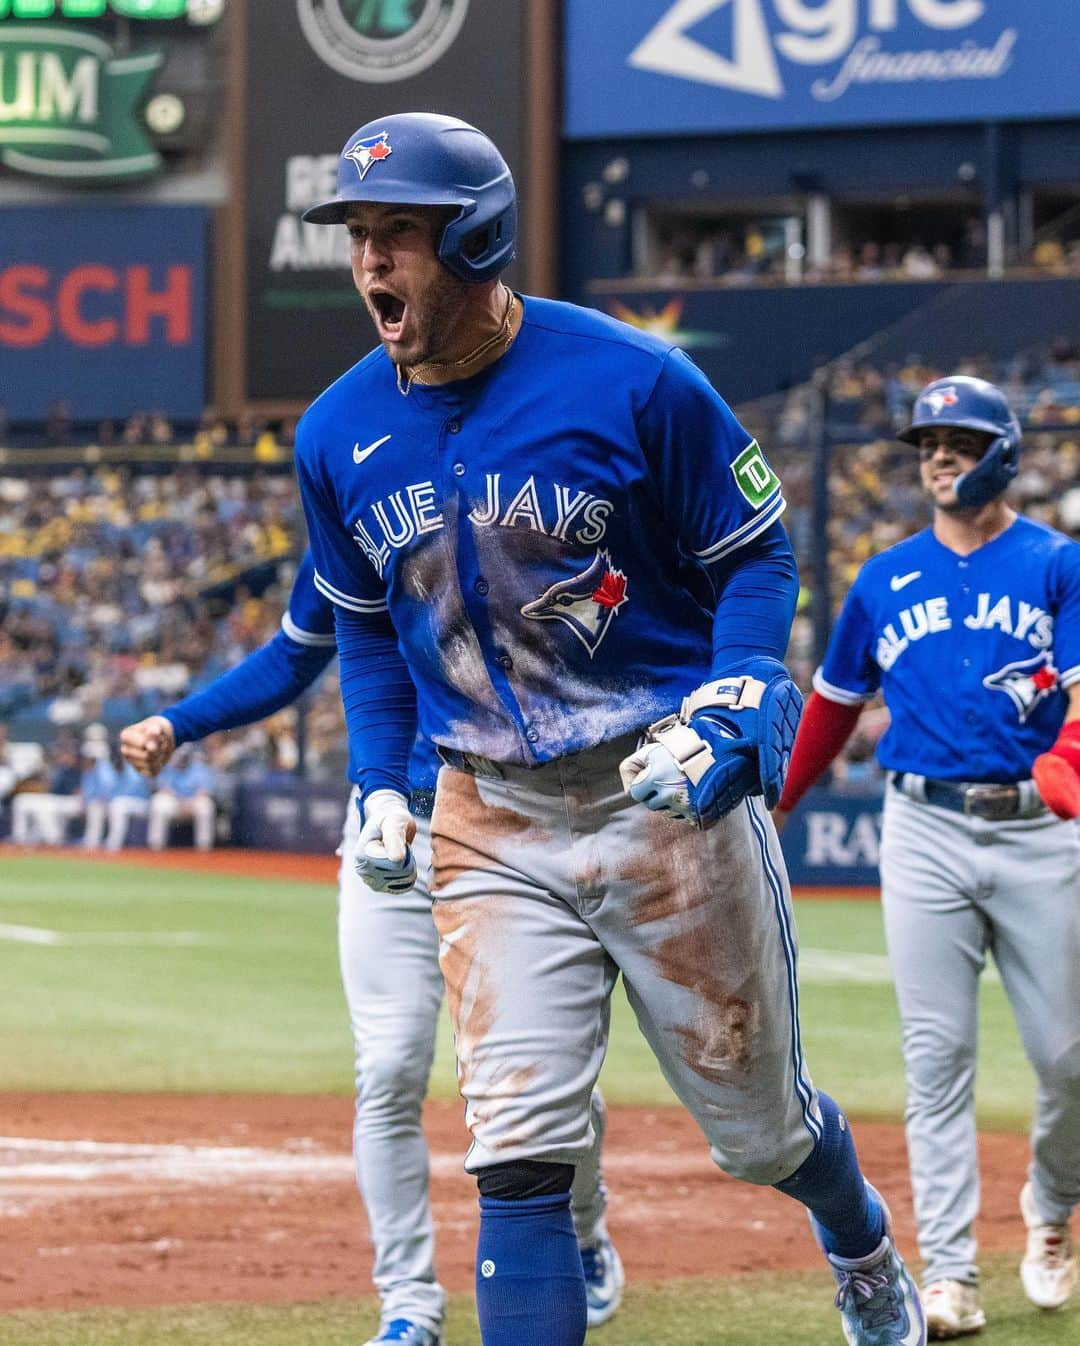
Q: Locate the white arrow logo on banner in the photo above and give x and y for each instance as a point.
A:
(753, 69)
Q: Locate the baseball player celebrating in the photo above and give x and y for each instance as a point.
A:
(550, 524)
(390, 970)
(971, 630)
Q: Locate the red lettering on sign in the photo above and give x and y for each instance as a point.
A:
(173, 304)
(69, 296)
(35, 303)
(17, 301)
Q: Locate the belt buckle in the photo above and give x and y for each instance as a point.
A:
(476, 765)
(993, 802)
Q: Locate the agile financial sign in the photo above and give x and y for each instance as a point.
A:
(73, 104)
(656, 66)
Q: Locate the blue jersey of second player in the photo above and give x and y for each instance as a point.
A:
(972, 653)
(541, 534)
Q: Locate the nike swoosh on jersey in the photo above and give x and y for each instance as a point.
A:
(899, 582)
(359, 454)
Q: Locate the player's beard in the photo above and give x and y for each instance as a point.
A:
(431, 322)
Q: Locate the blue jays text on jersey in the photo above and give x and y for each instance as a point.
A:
(543, 552)
(972, 653)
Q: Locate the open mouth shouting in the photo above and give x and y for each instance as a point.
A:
(388, 311)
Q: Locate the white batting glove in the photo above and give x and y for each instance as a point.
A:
(384, 858)
(652, 777)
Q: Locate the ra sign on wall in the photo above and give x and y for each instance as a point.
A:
(76, 105)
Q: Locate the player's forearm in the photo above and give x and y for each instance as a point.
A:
(265, 682)
(758, 590)
(379, 700)
(824, 729)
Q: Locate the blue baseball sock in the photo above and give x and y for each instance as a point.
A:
(530, 1288)
(830, 1183)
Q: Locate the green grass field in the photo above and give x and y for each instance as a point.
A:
(129, 978)
(735, 1311)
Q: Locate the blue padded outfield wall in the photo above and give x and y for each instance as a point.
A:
(830, 840)
(650, 67)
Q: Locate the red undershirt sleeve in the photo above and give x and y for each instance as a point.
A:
(825, 727)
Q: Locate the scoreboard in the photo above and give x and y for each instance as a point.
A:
(195, 11)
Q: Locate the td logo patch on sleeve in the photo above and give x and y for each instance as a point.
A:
(755, 478)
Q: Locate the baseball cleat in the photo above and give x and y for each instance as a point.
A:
(406, 1333)
(1048, 1271)
(952, 1310)
(878, 1300)
(604, 1280)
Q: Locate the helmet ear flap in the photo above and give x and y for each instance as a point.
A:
(991, 474)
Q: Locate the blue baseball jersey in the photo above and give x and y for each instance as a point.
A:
(971, 653)
(541, 534)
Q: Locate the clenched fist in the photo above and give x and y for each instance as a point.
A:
(149, 744)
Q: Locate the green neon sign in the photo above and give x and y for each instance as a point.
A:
(93, 9)
(69, 105)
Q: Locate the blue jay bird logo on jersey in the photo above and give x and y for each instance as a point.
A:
(369, 151)
(587, 603)
(942, 398)
(1026, 683)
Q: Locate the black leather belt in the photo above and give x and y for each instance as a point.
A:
(988, 799)
(469, 762)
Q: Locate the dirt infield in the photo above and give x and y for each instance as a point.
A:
(155, 1199)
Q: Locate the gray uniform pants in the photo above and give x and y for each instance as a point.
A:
(955, 888)
(389, 955)
(549, 883)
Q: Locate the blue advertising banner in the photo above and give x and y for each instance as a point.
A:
(833, 840)
(104, 309)
(649, 67)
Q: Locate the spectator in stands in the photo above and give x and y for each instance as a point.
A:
(919, 264)
(185, 792)
(8, 776)
(159, 430)
(136, 429)
(97, 785)
(42, 809)
(870, 267)
(130, 799)
(59, 429)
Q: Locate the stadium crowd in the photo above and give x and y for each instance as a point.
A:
(122, 590)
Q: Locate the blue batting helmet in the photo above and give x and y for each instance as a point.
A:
(424, 159)
(971, 404)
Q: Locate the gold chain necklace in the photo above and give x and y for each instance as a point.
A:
(407, 375)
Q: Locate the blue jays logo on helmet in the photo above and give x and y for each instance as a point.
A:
(941, 398)
(436, 161)
(1026, 683)
(586, 603)
(364, 153)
